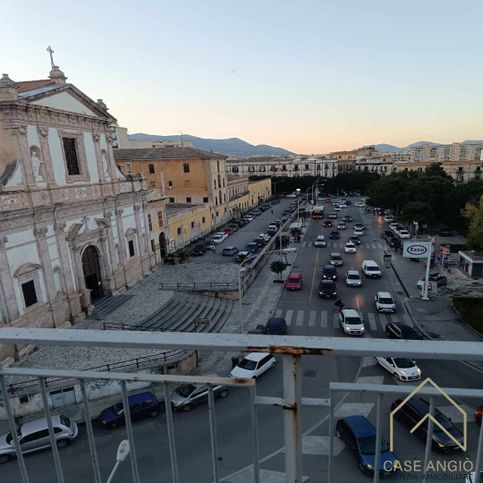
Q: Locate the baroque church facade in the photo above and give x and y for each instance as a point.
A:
(73, 228)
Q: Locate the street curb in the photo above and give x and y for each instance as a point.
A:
(400, 281)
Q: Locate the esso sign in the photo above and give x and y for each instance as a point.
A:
(417, 250)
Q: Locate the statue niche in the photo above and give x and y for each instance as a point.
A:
(38, 166)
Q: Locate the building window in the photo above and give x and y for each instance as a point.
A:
(203, 219)
(152, 184)
(29, 294)
(171, 200)
(218, 166)
(170, 185)
(234, 169)
(160, 218)
(296, 168)
(284, 167)
(205, 199)
(261, 168)
(251, 169)
(71, 158)
(153, 246)
(186, 168)
(306, 167)
(178, 231)
(216, 200)
(214, 183)
(188, 199)
(150, 224)
(151, 169)
(192, 224)
(130, 245)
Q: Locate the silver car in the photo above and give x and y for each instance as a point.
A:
(34, 436)
(186, 396)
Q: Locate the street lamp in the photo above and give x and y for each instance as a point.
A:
(122, 452)
(298, 206)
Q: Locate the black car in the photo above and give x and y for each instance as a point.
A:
(402, 331)
(327, 224)
(252, 247)
(287, 211)
(355, 240)
(329, 273)
(327, 289)
(277, 326)
(334, 235)
(416, 409)
(348, 202)
(200, 249)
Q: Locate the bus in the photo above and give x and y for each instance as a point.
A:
(318, 212)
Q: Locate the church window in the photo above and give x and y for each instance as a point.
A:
(71, 158)
(150, 223)
(151, 169)
(160, 218)
(205, 199)
(29, 293)
(130, 245)
(188, 199)
(186, 168)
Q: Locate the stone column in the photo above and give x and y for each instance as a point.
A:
(81, 283)
(43, 248)
(24, 151)
(105, 262)
(122, 242)
(137, 219)
(97, 147)
(7, 284)
(110, 243)
(110, 158)
(64, 258)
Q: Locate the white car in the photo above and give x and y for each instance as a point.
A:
(341, 226)
(353, 278)
(358, 231)
(249, 217)
(384, 302)
(359, 204)
(336, 259)
(320, 241)
(336, 208)
(291, 195)
(253, 365)
(389, 218)
(402, 369)
(351, 322)
(264, 236)
(403, 234)
(393, 226)
(349, 247)
(219, 237)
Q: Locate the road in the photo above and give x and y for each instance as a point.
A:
(307, 315)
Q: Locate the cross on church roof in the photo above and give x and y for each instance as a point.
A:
(51, 51)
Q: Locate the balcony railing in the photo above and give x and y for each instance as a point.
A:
(291, 349)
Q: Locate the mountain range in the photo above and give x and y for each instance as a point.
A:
(390, 148)
(228, 147)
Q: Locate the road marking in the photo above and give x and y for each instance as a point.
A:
(383, 318)
(335, 320)
(300, 318)
(312, 318)
(267, 476)
(319, 445)
(278, 313)
(372, 321)
(370, 380)
(354, 409)
(323, 319)
(288, 316)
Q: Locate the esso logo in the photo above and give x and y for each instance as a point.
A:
(417, 250)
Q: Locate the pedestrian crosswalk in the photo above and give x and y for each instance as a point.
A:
(312, 318)
(339, 244)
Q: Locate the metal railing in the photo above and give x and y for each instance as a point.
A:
(203, 286)
(290, 348)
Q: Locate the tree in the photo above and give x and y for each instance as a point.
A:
(418, 211)
(474, 213)
(278, 267)
(436, 169)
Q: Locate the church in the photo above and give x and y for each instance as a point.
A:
(73, 228)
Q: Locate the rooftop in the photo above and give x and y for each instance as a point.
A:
(473, 255)
(172, 208)
(164, 153)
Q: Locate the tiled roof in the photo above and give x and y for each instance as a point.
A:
(168, 153)
(24, 86)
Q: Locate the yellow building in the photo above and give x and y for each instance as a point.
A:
(461, 171)
(259, 190)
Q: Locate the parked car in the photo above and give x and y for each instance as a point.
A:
(336, 259)
(327, 224)
(276, 326)
(479, 414)
(253, 365)
(401, 368)
(371, 269)
(320, 241)
(384, 302)
(186, 396)
(349, 247)
(249, 217)
(414, 410)
(272, 229)
(241, 256)
(329, 272)
(388, 218)
(403, 234)
(359, 435)
(294, 281)
(353, 278)
(34, 436)
(142, 405)
(234, 226)
(252, 248)
(260, 242)
(334, 235)
(229, 230)
(327, 289)
(256, 212)
(402, 331)
(355, 240)
(351, 322)
(201, 248)
(291, 195)
(219, 237)
(229, 251)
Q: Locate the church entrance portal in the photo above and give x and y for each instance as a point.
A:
(92, 272)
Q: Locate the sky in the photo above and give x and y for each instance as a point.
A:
(309, 76)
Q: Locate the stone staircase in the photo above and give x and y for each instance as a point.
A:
(107, 305)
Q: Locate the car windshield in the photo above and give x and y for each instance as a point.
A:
(404, 363)
(353, 276)
(336, 257)
(353, 320)
(386, 300)
(368, 445)
(293, 279)
(443, 421)
(372, 269)
(185, 390)
(247, 364)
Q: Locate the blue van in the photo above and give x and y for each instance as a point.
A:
(359, 435)
(141, 405)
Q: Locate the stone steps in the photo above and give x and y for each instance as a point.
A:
(107, 305)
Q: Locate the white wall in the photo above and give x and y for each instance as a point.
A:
(57, 156)
(65, 102)
(91, 157)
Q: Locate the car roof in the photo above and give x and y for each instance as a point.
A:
(295, 275)
(360, 426)
(320, 237)
(330, 268)
(353, 272)
(276, 321)
(38, 425)
(350, 313)
(349, 243)
(335, 254)
(384, 295)
(256, 356)
(142, 396)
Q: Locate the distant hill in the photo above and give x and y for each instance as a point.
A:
(473, 142)
(421, 143)
(229, 147)
(388, 148)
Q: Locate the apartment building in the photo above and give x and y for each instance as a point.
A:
(461, 171)
(379, 163)
(446, 152)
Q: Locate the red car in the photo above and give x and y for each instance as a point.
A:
(229, 231)
(294, 281)
(479, 414)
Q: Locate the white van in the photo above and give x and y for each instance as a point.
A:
(371, 269)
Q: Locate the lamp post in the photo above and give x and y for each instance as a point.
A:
(298, 206)
(122, 452)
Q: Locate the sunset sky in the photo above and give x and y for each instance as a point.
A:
(309, 76)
